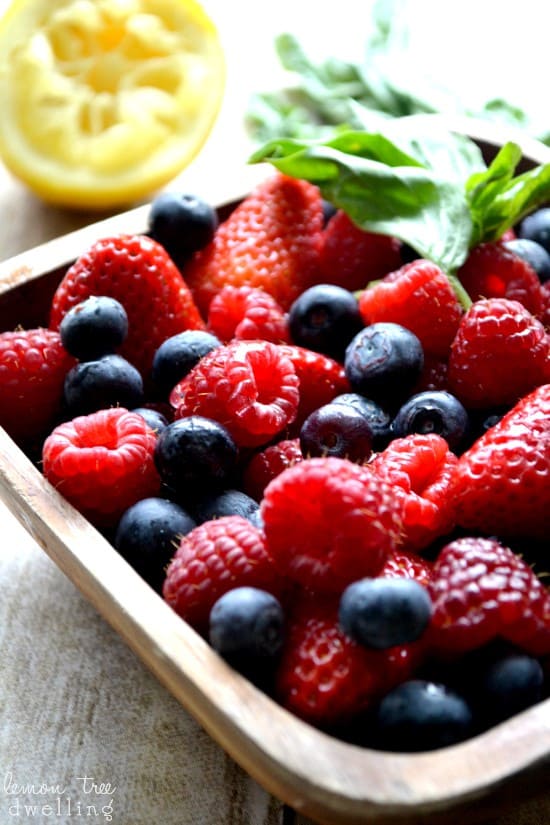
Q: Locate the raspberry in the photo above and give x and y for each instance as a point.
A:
(102, 463)
(494, 271)
(326, 678)
(499, 354)
(503, 480)
(33, 366)
(329, 521)
(421, 471)
(271, 240)
(403, 563)
(265, 465)
(321, 379)
(137, 272)
(247, 312)
(250, 387)
(482, 591)
(351, 257)
(212, 559)
(545, 310)
(417, 296)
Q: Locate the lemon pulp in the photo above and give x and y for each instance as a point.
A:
(103, 101)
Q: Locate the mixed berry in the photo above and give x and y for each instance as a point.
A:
(314, 451)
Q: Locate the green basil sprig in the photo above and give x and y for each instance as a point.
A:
(432, 191)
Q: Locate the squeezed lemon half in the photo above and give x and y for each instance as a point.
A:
(104, 101)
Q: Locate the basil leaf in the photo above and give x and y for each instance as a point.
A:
(333, 91)
(451, 155)
(484, 185)
(498, 200)
(383, 189)
(288, 153)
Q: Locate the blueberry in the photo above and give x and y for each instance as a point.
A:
(482, 420)
(107, 382)
(95, 327)
(408, 253)
(247, 626)
(420, 715)
(507, 685)
(536, 227)
(195, 453)
(227, 503)
(177, 356)
(329, 210)
(533, 253)
(325, 318)
(491, 419)
(182, 223)
(147, 536)
(155, 419)
(383, 362)
(384, 612)
(336, 430)
(378, 419)
(433, 411)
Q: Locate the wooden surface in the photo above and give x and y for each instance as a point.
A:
(74, 699)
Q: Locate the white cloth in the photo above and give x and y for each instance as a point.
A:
(78, 710)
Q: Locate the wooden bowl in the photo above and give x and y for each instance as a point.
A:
(326, 779)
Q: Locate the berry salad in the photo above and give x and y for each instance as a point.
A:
(320, 427)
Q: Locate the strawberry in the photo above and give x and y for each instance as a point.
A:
(326, 678)
(418, 296)
(503, 480)
(210, 560)
(250, 387)
(481, 591)
(494, 271)
(328, 521)
(421, 470)
(246, 312)
(499, 354)
(102, 463)
(271, 240)
(138, 272)
(33, 366)
(351, 257)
